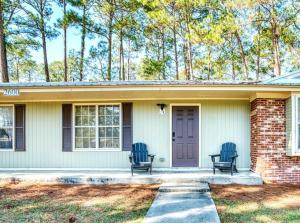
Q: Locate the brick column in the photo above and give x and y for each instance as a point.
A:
(268, 143)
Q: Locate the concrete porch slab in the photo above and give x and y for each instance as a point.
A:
(124, 177)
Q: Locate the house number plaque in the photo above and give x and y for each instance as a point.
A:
(11, 92)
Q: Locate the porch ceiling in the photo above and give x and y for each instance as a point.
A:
(131, 93)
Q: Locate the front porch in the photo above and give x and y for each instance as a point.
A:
(102, 176)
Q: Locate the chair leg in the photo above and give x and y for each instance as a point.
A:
(214, 170)
(232, 170)
(150, 169)
(131, 171)
(235, 169)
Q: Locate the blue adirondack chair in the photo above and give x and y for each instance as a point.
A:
(140, 159)
(227, 158)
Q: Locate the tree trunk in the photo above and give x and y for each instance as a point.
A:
(44, 44)
(128, 61)
(175, 53)
(232, 58)
(175, 43)
(109, 59)
(186, 65)
(186, 73)
(123, 63)
(122, 66)
(190, 59)
(188, 43)
(258, 58)
(233, 70)
(120, 57)
(65, 43)
(163, 55)
(3, 54)
(209, 63)
(83, 34)
(17, 72)
(29, 77)
(242, 54)
(275, 43)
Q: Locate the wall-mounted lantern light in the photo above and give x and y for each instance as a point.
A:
(162, 109)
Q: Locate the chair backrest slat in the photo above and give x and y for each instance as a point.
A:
(139, 153)
(228, 150)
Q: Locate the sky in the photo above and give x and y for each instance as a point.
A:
(55, 47)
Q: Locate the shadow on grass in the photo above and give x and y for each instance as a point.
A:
(237, 212)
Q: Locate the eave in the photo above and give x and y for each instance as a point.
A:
(146, 91)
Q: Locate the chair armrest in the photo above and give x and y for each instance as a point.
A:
(151, 157)
(130, 158)
(213, 156)
(233, 158)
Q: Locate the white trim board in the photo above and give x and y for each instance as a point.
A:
(97, 149)
(13, 128)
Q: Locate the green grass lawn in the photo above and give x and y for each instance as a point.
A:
(74, 203)
(265, 204)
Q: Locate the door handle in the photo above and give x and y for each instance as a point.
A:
(173, 136)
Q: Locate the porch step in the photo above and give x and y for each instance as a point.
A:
(184, 187)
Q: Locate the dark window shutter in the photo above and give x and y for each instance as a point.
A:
(20, 144)
(127, 126)
(67, 127)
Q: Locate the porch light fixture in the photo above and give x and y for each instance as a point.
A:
(162, 109)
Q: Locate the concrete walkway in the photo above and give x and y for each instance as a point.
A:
(183, 203)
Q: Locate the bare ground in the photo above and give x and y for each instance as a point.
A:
(29, 202)
(270, 203)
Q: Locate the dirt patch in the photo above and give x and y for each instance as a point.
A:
(270, 195)
(79, 193)
(27, 202)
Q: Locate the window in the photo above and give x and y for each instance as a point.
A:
(109, 126)
(85, 127)
(298, 123)
(6, 127)
(97, 127)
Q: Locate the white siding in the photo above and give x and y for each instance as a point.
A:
(221, 121)
(44, 144)
(153, 129)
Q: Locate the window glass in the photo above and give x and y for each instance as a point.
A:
(85, 127)
(298, 123)
(109, 126)
(105, 119)
(6, 127)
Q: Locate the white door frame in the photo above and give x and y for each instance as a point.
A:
(171, 127)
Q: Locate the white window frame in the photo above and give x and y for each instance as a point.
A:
(97, 149)
(296, 122)
(13, 128)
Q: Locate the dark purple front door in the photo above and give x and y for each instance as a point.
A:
(185, 136)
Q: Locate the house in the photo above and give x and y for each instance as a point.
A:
(93, 124)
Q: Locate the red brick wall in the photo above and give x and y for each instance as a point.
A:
(268, 143)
